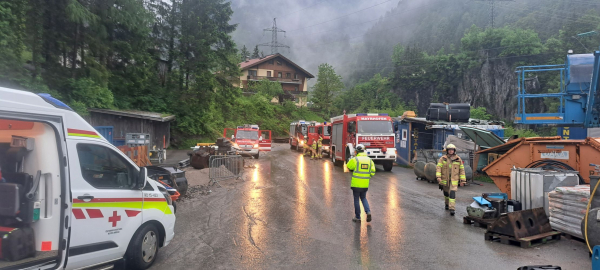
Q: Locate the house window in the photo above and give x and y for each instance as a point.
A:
(251, 72)
(288, 75)
(278, 63)
(296, 88)
(296, 76)
(271, 62)
(279, 74)
(268, 73)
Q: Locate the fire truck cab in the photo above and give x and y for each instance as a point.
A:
(374, 131)
(249, 139)
(298, 131)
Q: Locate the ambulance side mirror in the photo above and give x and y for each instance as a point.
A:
(141, 181)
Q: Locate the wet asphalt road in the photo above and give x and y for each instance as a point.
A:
(293, 212)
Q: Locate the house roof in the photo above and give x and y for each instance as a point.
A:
(154, 116)
(253, 62)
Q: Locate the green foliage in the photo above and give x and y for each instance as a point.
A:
(255, 54)
(244, 53)
(328, 85)
(267, 88)
(522, 133)
(372, 96)
(480, 113)
(85, 93)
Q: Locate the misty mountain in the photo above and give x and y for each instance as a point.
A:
(358, 37)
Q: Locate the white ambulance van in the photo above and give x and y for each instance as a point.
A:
(68, 198)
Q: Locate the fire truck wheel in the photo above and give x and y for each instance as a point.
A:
(388, 165)
(143, 248)
(256, 156)
(291, 146)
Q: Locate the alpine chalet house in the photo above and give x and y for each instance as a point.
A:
(277, 68)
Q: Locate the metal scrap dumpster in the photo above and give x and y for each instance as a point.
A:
(519, 153)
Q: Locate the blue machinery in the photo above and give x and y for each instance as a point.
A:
(579, 94)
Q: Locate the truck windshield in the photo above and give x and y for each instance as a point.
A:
(375, 127)
(247, 134)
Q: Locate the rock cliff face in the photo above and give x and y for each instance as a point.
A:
(492, 85)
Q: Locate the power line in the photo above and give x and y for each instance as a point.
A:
(492, 5)
(341, 16)
(274, 44)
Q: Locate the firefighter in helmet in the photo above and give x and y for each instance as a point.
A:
(317, 147)
(305, 147)
(450, 171)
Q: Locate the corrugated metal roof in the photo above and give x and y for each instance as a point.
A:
(137, 114)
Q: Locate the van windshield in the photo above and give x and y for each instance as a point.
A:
(375, 127)
(247, 134)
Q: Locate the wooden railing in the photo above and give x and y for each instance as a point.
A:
(274, 79)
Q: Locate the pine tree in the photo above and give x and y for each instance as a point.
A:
(244, 53)
(255, 54)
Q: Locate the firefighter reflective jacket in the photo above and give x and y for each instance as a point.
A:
(450, 168)
(363, 169)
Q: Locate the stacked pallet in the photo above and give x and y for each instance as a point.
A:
(567, 207)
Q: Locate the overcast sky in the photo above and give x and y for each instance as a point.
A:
(317, 31)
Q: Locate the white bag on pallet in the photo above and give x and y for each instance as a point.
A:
(567, 207)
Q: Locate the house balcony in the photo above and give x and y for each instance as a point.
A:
(274, 79)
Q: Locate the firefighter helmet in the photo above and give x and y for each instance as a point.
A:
(450, 146)
(360, 148)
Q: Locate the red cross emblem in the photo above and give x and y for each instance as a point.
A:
(114, 219)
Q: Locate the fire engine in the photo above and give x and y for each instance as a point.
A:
(298, 131)
(316, 130)
(374, 131)
(250, 140)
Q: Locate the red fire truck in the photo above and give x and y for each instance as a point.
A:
(249, 139)
(316, 130)
(298, 131)
(374, 131)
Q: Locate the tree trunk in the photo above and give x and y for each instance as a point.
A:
(74, 56)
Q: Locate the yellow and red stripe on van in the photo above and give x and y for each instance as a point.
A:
(82, 133)
(92, 207)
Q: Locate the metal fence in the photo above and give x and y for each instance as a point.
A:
(225, 167)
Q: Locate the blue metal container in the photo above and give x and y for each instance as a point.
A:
(573, 133)
(596, 258)
(106, 132)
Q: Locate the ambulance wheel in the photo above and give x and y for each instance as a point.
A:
(388, 165)
(143, 248)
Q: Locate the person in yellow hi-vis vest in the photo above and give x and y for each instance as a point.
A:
(320, 147)
(363, 169)
(314, 149)
(305, 147)
(450, 171)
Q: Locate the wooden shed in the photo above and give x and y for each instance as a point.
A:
(156, 124)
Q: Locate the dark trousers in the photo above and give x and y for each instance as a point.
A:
(360, 194)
